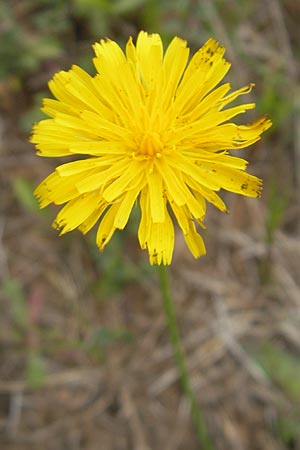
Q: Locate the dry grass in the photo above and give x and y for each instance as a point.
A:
(85, 359)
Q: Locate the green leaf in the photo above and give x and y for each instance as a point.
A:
(287, 428)
(35, 371)
(283, 368)
(277, 204)
(14, 292)
(23, 190)
(107, 336)
(125, 6)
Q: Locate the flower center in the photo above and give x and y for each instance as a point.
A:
(151, 144)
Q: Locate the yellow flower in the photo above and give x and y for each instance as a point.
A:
(156, 132)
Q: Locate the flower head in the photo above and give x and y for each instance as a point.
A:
(156, 131)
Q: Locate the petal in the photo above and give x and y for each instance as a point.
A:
(50, 140)
(194, 171)
(51, 107)
(182, 215)
(104, 128)
(161, 242)
(213, 198)
(82, 87)
(76, 211)
(76, 88)
(101, 177)
(75, 167)
(235, 94)
(201, 59)
(194, 241)
(223, 158)
(173, 180)
(228, 136)
(209, 102)
(143, 230)
(92, 218)
(131, 178)
(174, 63)
(58, 86)
(206, 69)
(149, 52)
(125, 208)
(109, 57)
(98, 148)
(234, 180)
(157, 237)
(106, 228)
(211, 120)
(57, 189)
(156, 196)
(131, 52)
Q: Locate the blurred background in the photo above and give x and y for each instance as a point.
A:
(85, 359)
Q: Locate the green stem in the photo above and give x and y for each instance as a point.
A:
(203, 436)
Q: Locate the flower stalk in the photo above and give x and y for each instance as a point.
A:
(199, 423)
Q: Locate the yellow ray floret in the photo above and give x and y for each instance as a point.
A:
(150, 128)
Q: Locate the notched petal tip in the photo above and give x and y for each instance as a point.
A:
(60, 226)
(43, 202)
(266, 122)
